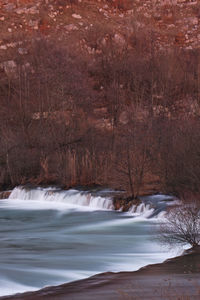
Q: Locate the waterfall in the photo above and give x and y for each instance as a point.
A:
(144, 210)
(56, 198)
(70, 197)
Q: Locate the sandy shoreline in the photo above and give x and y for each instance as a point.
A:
(176, 278)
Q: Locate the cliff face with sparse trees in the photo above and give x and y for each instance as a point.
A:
(100, 92)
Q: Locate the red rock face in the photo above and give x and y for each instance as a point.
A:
(173, 22)
(92, 28)
(121, 4)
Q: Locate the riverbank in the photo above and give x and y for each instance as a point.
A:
(176, 278)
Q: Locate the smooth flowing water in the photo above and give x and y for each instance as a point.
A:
(50, 236)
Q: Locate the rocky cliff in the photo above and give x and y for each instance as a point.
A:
(85, 85)
(169, 22)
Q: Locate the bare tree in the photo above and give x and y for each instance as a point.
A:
(182, 226)
(134, 155)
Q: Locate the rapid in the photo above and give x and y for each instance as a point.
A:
(50, 236)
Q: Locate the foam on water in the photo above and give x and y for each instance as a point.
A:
(59, 199)
(56, 199)
(144, 210)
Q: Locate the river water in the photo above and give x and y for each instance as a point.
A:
(49, 236)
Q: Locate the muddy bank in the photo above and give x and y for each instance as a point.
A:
(177, 278)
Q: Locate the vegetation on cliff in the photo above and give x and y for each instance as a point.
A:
(98, 106)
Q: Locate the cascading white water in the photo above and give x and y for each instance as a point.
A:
(142, 209)
(70, 197)
(59, 199)
(50, 236)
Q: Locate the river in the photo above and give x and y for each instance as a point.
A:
(50, 236)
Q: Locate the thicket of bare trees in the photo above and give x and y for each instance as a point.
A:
(149, 124)
(179, 155)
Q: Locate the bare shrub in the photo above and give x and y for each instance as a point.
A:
(182, 226)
